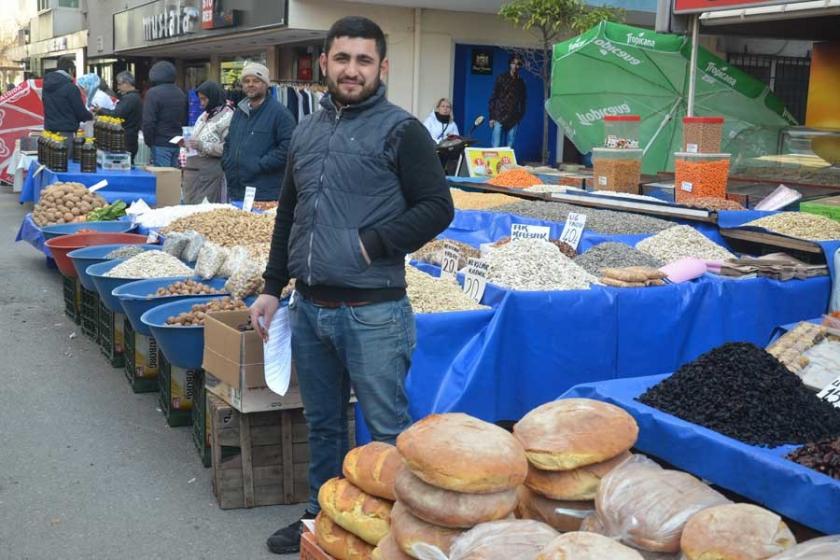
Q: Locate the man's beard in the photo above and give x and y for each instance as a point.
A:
(366, 91)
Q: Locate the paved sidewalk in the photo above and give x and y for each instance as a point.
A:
(89, 470)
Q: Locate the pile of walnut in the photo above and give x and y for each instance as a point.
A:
(186, 288)
(632, 277)
(63, 203)
(195, 316)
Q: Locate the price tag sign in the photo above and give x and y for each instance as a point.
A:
(523, 231)
(449, 260)
(686, 186)
(38, 171)
(831, 393)
(100, 185)
(573, 230)
(475, 280)
(248, 201)
(692, 148)
(152, 237)
(602, 181)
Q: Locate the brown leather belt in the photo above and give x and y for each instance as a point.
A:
(337, 304)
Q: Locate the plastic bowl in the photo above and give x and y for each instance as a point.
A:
(86, 256)
(138, 297)
(51, 232)
(60, 246)
(105, 284)
(182, 346)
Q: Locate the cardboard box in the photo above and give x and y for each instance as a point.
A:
(168, 185)
(235, 360)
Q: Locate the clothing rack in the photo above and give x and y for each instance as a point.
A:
(300, 97)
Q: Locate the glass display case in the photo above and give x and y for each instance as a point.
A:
(805, 156)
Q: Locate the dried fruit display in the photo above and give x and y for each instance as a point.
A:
(822, 456)
(745, 393)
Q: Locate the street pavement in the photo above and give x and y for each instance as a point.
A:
(89, 470)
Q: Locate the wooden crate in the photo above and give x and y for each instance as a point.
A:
(261, 458)
(72, 292)
(142, 360)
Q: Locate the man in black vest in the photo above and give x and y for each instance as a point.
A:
(363, 187)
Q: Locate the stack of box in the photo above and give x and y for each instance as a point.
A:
(142, 362)
(258, 439)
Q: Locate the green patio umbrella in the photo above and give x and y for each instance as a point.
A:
(616, 69)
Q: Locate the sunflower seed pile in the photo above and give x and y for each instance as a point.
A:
(602, 221)
(428, 294)
(680, 242)
(614, 255)
(150, 264)
(535, 265)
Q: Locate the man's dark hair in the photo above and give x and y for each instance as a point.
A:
(357, 27)
(515, 57)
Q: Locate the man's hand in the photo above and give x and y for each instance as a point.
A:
(492, 123)
(265, 306)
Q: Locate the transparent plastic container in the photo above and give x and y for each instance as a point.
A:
(622, 131)
(617, 169)
(702, 135)
(700, 175)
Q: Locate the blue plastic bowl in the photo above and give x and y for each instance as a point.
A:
(86, 256)
(182, 346)
(138, 297)
(104, 227)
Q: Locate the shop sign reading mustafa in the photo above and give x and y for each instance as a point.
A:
(173, 20)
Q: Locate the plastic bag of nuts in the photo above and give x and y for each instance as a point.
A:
(211, 257)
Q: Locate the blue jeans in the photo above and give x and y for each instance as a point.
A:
(165, 156)
(368, 347)
(499, 132)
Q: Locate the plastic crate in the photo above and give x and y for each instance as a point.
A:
(90, 314)
(111, 336)
(142, 360)
(72, 291)
(201, 420)
(177, 387)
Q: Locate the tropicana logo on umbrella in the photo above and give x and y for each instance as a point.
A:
(639, 40)
(596, 115)
(720, 74)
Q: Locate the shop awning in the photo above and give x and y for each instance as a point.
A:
(813, 20)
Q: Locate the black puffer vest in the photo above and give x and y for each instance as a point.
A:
(345, 173)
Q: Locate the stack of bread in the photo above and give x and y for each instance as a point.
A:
(735, 532)
(459, 472)
(571, 444)
(356, 510)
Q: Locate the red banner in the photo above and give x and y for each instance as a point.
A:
(21, 111)
(694, 6)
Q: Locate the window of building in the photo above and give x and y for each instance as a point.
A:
(43, 5)
(787, 77)
(68, 3)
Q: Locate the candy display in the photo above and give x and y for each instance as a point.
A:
(700, 175)
(775, 408)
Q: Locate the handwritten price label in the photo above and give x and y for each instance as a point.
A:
(100, 185)
(573, 230)
(450, 259)
(152, 237)
(831, 393)
(523, 231)
(248, 202)
(475, 280)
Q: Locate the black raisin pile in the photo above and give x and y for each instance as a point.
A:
(745, 393)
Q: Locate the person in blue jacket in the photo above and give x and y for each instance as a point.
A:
(258, 139)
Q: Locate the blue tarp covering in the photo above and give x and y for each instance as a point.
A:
(802, 494)
(32, 234)
(125, 185)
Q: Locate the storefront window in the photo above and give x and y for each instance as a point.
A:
(231, 69)
(43, 5)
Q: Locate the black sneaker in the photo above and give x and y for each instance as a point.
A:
(287, 539)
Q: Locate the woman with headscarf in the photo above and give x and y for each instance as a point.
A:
(203, 175)
(96, 96)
